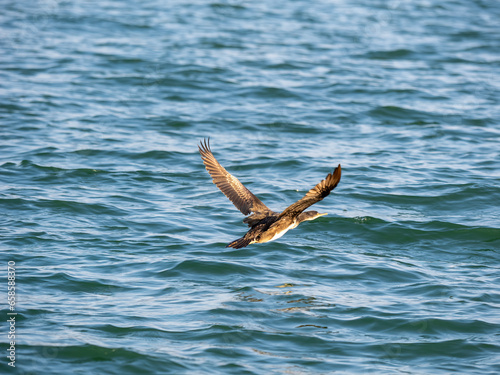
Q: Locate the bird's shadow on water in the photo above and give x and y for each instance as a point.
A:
(257, 301)
(257, 306)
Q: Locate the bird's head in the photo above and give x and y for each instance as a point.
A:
(310, 215)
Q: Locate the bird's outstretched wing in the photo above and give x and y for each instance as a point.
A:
(314, 195)
(241, 197)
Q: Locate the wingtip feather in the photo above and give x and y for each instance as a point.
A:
(239, 243)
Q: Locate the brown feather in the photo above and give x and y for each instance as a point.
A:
(314, 195)
(232, 188)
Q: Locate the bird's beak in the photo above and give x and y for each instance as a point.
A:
(322, 214)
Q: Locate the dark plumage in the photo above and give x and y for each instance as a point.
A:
(265, 224)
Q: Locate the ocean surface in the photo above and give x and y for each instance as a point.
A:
(116, 234)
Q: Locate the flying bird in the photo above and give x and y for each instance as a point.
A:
(265, 224)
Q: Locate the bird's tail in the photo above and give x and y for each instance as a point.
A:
(239, 243)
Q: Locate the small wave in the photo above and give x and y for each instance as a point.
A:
(208, 268)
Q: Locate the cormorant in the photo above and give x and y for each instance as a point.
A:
(265, 224)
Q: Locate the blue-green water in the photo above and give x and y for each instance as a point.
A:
(118, 234)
